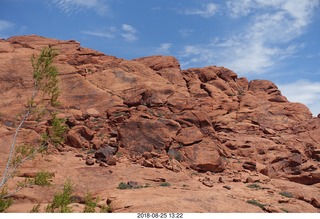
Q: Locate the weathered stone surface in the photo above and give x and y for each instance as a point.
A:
(249, 165)
(92, 112)
(75, 140)
(306, 178)
(149, 104)
(105, 152)
(139, 134)
(79, 137)
(90, 161)
(147, 163)
(204, 156)
(111, 161)
(189, 135)
(315, 202)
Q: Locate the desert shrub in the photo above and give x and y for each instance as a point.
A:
(284, 210)
(58, 129)
(22, 153)
(175, 154)
(90, 204)
(24, 183)
(123, 185)
(256, 203)
(5, 202)
(45, 74)
(106, 209)
(253, 186)
(61, 200)
(43, 178)
(286, 194)
(165, 184)
(35, 209)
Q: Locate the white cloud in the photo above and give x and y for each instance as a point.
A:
(240, 8)
(267, 39)
(69, 6)
(129, 33)
(303, 91)
(4, 26)
(186, 32)
(164, 49)
(108, 33)
(207, 11)
(197, 54)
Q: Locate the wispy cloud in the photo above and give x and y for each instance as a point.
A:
(207, 10)
(163, 49)
(184, 33)
(303, 91)
(4, 26)
(129, 33)
(265, 41)
(107, 33)
(74, 6)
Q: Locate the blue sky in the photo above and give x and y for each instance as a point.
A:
(277, 40)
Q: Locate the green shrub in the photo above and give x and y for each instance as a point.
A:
(43, 178)
(4, 201)
(23, 152)
(58, 128)
(165, 184)
(253, 186)
(106, 209)
(61, 200)
(90, 204)
(284, 210)
(286, 194)
(35, 209)
(124, 185)
(175, 154)
(46, 74)
(25, 183)
(256, 203)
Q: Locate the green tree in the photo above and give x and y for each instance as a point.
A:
(45, 76)
(61, 200)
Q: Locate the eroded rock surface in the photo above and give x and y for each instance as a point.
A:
(160, 116)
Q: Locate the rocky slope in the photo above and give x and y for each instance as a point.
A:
(203, 125)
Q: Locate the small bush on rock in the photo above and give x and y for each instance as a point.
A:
(61, 200)
(256, 203)
(286, 194)
(4, 202)
(253, 186)
(90, 204)
(165, 184)
(43, 178)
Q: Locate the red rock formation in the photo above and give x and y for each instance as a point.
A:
(213, 120)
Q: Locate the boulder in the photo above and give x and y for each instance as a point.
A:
(90, 161)
(79, 137)
(75, 140)
(92, 112)
(105, 152)
(204, 156)
(189, 135)
(139, 135)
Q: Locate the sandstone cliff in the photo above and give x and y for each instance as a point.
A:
(203, 119)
